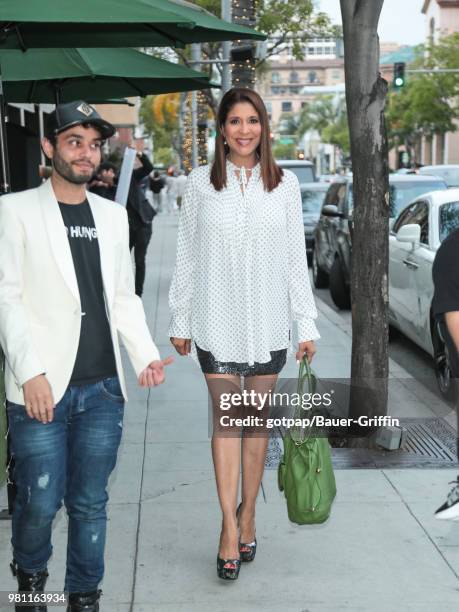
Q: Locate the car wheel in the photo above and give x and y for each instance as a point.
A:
(446, 383)
(339, 292)
(319, 276)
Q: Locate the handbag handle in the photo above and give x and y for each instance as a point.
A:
(305, 373)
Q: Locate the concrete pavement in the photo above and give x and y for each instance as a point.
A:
(381, 549)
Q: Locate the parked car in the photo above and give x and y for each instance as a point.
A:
(303, 169)
(448, 172)
(331, 258)
(414, 239)
(312, 195)
(329, 178)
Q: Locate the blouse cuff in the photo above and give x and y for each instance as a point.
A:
(307, 330)
(180, 326)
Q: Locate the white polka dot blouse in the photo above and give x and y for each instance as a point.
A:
(241, 274)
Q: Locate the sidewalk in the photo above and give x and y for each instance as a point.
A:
(381, 549)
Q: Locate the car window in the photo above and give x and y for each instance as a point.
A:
(341, 195)
(312, 200)
(332, 194)
(417, 213)
(402, 193)
(421, 217)
(305, 174)
(448, 219)
(404, 218)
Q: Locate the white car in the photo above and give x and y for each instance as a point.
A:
(448, 172)
(414, 239)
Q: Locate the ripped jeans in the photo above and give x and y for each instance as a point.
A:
(70, 460)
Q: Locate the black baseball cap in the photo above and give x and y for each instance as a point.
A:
(68, 115)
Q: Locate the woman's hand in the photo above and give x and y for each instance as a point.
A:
(182, 345)
(306, 348)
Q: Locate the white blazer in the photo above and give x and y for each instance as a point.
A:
(40, 309)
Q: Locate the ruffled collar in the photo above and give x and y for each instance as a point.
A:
(253, 171)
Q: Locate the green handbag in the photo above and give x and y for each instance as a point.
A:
(305, 472)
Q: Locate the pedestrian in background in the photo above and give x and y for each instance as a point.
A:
(157, 184)
(240, 278)
(104, 181)
(171, 191)
(140, 215)
(445, 307)
(181, 184)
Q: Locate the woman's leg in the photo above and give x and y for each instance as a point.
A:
(254, 446)
(226, 454)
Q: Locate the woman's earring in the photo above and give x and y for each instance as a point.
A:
(225, 143)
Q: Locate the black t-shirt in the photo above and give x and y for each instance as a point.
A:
(95, 358)
(445, 275)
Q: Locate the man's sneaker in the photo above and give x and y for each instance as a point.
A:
(450, 509)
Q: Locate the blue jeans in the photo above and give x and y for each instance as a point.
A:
(69, 459)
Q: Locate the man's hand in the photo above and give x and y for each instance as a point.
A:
(182, 345)
(153, 374)
(38, 399)
(306, 348)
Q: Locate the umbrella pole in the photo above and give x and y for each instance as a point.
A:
(5, 186)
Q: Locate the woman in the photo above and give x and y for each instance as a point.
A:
(240, 277)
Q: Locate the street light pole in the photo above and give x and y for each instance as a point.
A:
(226, 47)
(195, 58)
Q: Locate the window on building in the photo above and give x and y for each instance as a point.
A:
(311, 50)
(295, 89)
(432, 30)
(275, 90)
(269, 106)
(312, 76)
(294, 77)
(286, 107)
(320, 51)
(275, 77)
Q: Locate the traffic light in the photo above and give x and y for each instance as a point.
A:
(399, 75)
(300, 154)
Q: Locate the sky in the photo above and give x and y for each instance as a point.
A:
(401, 21)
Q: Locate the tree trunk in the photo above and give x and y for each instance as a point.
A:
(365, 97)
(243, 73)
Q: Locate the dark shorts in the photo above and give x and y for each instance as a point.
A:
(209, 365)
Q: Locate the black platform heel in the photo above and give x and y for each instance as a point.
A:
(228, 569)
(247, 550)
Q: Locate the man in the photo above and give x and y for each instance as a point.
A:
(171, 191)
(140, 214)
(156, 185)
(445, 306)
(104, 182)
(66, 292)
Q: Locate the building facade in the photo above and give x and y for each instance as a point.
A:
(282, 83)
(441, 19)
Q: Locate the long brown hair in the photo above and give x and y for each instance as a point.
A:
(271, 174)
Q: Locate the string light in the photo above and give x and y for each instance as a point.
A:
(187, 144)
(244, 72)
(187, 135)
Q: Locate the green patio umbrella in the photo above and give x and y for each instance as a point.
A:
(62, 75)
(105, 23)
(112, 23)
